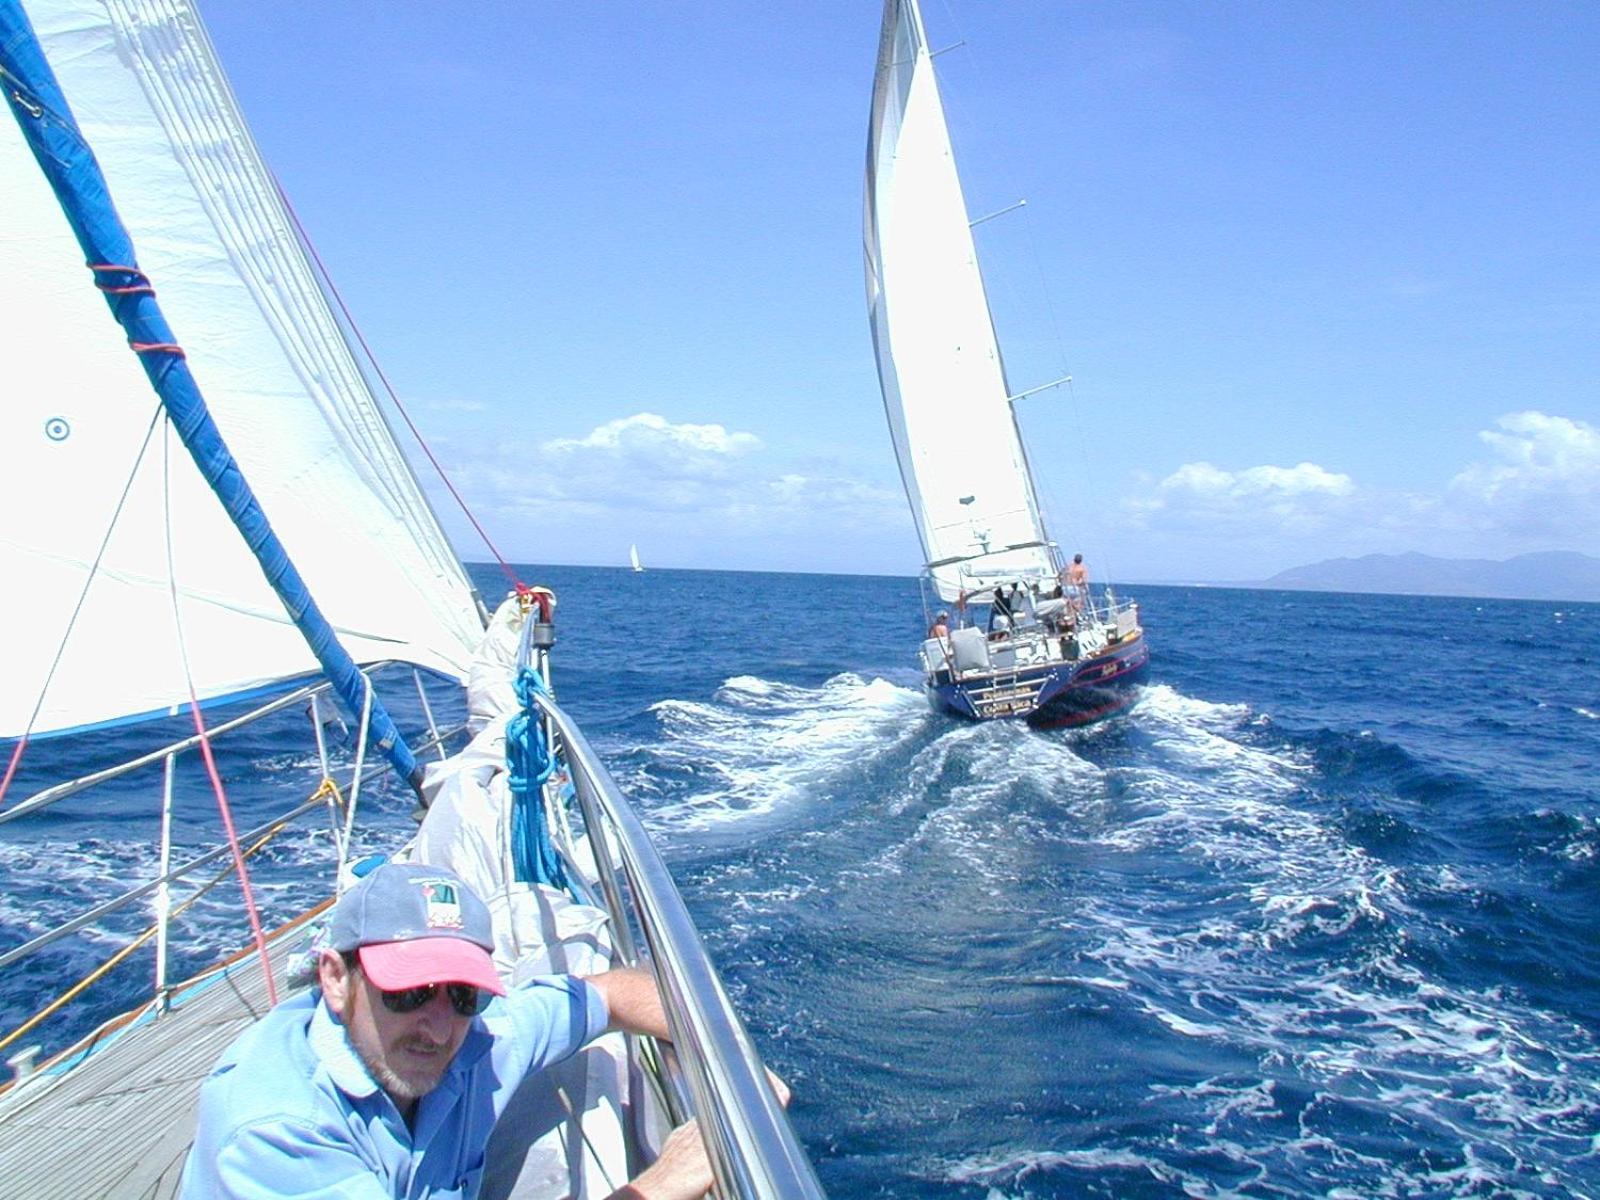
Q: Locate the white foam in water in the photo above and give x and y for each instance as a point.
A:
(768, 743)
(955, 783)
(1286, 942)
(1357, 1023)
(1012, 1171)
(1169, 704)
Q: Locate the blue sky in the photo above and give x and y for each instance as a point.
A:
(1327, 277)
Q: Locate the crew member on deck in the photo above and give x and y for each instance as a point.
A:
(999, 612)
(1075, 582)
(387, 1081)
(941, 626)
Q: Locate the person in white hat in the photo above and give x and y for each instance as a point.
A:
(387, 1081)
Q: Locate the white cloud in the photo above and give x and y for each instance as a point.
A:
(1536, 453)
(711, 495)
(1204, 495)
(1539, 489)
(695, 491)
(647, 434)
(1305, 479)
(642, 462)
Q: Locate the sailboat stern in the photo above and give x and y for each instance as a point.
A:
(1048, 681)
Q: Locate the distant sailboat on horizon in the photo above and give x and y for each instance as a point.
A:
(633, 557)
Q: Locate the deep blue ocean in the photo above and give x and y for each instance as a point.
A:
(1319, 917)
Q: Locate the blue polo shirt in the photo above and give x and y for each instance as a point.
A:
(290, 1109)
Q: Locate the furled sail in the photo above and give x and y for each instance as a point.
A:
(944, 386)
(92, 475)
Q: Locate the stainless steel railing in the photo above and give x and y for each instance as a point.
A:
(754, 1151)
(167, 756)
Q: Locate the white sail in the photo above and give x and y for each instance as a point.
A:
(944, 386)
(633, 558)
(280, 380)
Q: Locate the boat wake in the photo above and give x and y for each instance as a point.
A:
(1190, 929)
(1235, 924)
(759, 748)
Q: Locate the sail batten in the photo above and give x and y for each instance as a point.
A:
(280, 381)
(939, 365)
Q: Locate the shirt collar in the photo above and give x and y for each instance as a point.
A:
(337, 1055)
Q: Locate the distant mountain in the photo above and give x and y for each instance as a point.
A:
(1555, 575)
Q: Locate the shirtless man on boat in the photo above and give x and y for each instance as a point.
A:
(388, 1080)
(1075, 581)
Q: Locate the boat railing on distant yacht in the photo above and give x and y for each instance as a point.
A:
(1031, 649)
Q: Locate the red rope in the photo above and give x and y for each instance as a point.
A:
(11, 768)
(541, 596)
(233, 845)
(394, 399)
(140, 287)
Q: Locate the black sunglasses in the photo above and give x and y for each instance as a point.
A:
(467, 1000)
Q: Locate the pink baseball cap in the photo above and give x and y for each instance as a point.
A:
(412, 925)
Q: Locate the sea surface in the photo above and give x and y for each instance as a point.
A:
(1319, 917)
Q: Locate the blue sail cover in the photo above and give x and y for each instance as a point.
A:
(51, 132)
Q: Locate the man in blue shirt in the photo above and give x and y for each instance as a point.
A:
(388, 1082)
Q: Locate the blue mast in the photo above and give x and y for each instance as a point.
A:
(52, 134)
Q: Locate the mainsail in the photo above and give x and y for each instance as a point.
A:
(88, 450)
(944, 386)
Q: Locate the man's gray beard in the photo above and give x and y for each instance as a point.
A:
(389, 1081)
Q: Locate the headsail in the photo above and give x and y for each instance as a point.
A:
(85, 451)
(944, 386)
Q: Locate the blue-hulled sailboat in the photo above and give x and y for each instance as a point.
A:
(1026, 638)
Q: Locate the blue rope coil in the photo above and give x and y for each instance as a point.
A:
(530, 764)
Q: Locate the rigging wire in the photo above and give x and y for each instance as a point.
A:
(1084, 463)
(200, 727)
(394, 399)
(83, 596)
(11, 767)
